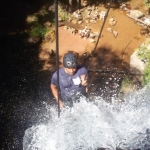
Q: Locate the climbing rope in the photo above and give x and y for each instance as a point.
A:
(115, 72)
(101, 29)
(57, 53)
(57, 47)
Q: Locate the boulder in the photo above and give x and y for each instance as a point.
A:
(50, 36)
(136, 14)
(92, 36)
(87, 21)
(74, 21)
(136, 62)
(80, 22)
(47, 24)
(31, 41)
(93, 21)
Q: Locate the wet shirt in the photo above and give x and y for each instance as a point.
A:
(70, 85)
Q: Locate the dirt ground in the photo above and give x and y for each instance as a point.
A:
(121, 47)
(111, 54)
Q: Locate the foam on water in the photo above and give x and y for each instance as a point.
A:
(92, 125)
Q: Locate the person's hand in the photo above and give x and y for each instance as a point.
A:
(84, 80)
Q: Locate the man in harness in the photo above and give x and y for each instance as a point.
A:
(72, 81)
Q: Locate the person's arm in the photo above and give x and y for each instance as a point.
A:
(84, 81)
(55, 94)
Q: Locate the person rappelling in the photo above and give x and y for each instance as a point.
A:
(72, 81)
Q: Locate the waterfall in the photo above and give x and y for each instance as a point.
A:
(93, 125)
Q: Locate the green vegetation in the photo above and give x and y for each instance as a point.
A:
(144, 54)
(32, 18)
(127, 85)
(40, 23)
(147, 75)
(147, 4)
(126, 82)
(36, 21)
(38, 30)
(62, 14)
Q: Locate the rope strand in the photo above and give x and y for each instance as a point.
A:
(101, 29)
(57, 53)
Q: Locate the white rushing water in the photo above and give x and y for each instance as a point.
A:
(93, 125)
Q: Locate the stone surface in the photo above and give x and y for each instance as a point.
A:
(31, 41)
(136, 14)
(136, 63)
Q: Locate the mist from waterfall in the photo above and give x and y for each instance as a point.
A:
(92, 125)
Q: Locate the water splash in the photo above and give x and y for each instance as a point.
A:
(93, 125)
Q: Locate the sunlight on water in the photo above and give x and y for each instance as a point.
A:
(93, 125)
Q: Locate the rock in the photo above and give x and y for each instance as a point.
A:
(87, 12)
(136, 14)
(80, 18)
(60, 19)
(85, 3)
(80, 22)
(112, 21)
(136, 62)
(148, 47)
(46, 53)
(93, 21)
(109, 29)
(31, 41)
(74, 21)
(73, 31)
(70, 19)
(52, 8)
(96, 34)
(144, 31)
(115, 33)
(31, 18)
(66, 28)
(102, 15)
(60, 24)
(94, 16)
(77, 15)
(50, 36)
(92, 40)
(87, 21)
(93, 7)
(47, 24)
(92, 36)
(88, 17)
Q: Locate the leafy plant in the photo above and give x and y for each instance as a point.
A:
(147, 75)
(147, 3)
(31, 19)
(144, 54)
(63, 14)
(125, 82)
(38, 30)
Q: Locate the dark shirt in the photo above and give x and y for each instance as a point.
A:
(70, 85)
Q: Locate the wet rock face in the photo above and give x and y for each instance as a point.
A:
(31, 41)
(137, 63)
